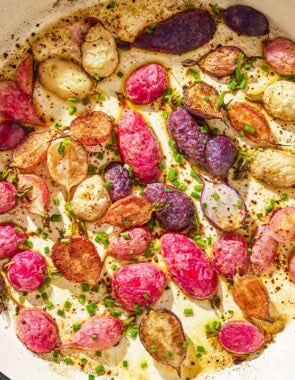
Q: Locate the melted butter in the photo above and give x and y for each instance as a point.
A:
(124, 21)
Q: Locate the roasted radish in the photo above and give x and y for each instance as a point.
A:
(8, 197)
(11, 236)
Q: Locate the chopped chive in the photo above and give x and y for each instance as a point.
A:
(85, 287)
(177, 157)
(150, 29)
(270, 205)
(148, 254)
(168, 190)
(44, 296)
(61, 313)
(67, 305)
(216, 197)
(21, 299)
(114, 266)
(68, 361)
(57, 125)
(188, 312)
(109, 302)
(198, 187)
(72, 110)
(82, 299)
(96, 76)
(172, 143)
(116, 313)
(220, 100)
(172, 174)
(195, 74)
(28, 243)
(204, 129)
(133, 330)
(73, 100)
(100, 155)
(165, 114)
(170, 355)
(239, 203)
(91, 309)
(94, 337)
(76, 326)
(91, 377)
(56, 218)
(143, 365)
(204, 205)
(125, 363)
(239, 66)
(185, 344)
(153, 348)
(284, 197)
(125, 235)
(232, 85)
(99, 369)
(49, 305)
(108, 184)
(249, 128)
(195, 195)
(265, 68)
(92, 169)
(161, 166)
(129, 170)
(241, 134)
(137, 308)
(102, 238)
(207, 99)
(101, 97)
(216, 325)
(17, 229)
(98, 354)
(200, 349)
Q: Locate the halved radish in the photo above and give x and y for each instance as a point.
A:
(36, 200)
(282, 225)
(240, 337)
(223, 206)
(8, 197)
(25, 75)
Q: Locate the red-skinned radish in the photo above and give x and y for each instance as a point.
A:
(230, 255)
(131, 243)
(11, 134)
(264, 250)
(37, 199)
(25, 75)
(11, 236)
(189, 267)
(17, 105)
(27, 271)
(282, 225)
(137, 286)
(240, 337)
(37, 330)
(280, 55)
(223, 206)
(97, 333)
(8, 197)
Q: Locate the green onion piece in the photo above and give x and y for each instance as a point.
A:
(114, 266)
(76, 326)
(108, 184)
(269, 206)
(28, 243)
(109, 302)
(116, 313)
(137, 308)
(241, 134)
(72, 110)
(82, 299)
(68, 361)
(91, 309)
(129, 169)
(232, 85)
(239, 203)
(161, 165)
(98, 354)
(195, 195)
(195, 74)
(92, 169)
(239, 66)
(284, 197)
(249, 128)
(85, 287)
(94, 337)
(146, 296)
(73, 100)
(55, 218)
(188, 312)
(67, 305)
(49, 305)
(204, 205)
(216, 197)
(204, 129)
(91, 377)
(153, 348)
(100, 155)
(200, 349)
(185, 344)
(143, 365)
(102, 238)
(133, 330)
(61, 313)
(207, 99)
(101, 97)
(172, 174)
(125, 235)
(170, 355)
(125, 363)
(220, 100)
(165, 114)
(172, 143)
(99, 369)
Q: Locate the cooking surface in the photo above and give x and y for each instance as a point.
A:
(256, 195)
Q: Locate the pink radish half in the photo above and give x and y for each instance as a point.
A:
(282, 225)
(240, 337)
